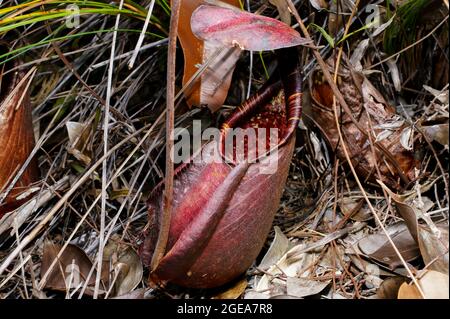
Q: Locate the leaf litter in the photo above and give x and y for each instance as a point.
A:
(325, 242)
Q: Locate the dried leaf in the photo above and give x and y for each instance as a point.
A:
(319, 4)
(299, 250)
(16, 136)
(383, 27)
(438, 133)
(378, 247)
(123, 264)
(318, 154)
(241, 29)
(408, 291)
(406, 211)
(135, 294)
(334, 19)
(283, 296)
(433, 284)
(78, 137)
(283, 10)
(133, 275)
(390, 287)
(434, 248)
(290, 267)
(353, 208)
(71, 269)
(358, 54)
(42, 196)
(302, 287)
(395, 74)
(369, 267)
(432, 240)
(406, 138)
(251, 294)
(75, 131)
(392, 124)
(387, 159)
(442, 96)
(277, 249)
(234, 292)
(383, 135)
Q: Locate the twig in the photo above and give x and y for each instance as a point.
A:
(141, 36)
(409, 46)
(250, 67)
(105, 151)
(163, 235)
(127, 54)
(295, 252)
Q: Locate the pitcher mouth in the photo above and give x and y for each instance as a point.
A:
(255, 131)
(274, 110)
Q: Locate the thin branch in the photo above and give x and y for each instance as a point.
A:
(409, 46)
(141, 36)
(163, 236)
(105, 152)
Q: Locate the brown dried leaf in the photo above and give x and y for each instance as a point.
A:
(78, 139)
(71, 269)
(319, 4)
(334, 19)
(433, 284)
(283, 10)
(123, 265)
(234, 292)
(369, 267)
(437, 132)
(433, 243)
(356, 209)
(390, 287)
(408, 291)
(394, 162)
(132, 277)
(378, 247)
(16, 136)
(405, 210)
(434, 248)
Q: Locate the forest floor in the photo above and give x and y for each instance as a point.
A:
(375, 227)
